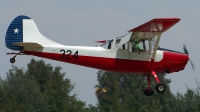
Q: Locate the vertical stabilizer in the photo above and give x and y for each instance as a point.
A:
(24, 29)
(15, 33)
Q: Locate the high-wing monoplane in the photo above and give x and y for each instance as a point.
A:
(136, 52)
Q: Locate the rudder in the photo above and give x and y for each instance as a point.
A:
(15, 33)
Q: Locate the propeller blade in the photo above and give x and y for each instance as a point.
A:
(193, 67)
(185, 49)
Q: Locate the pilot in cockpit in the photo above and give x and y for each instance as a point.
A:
(136, 47)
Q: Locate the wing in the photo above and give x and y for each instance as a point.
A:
(150, 29)
(156, 25)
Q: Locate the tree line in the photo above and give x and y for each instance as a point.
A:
(43, 88)
(118, 92)
(40, 88)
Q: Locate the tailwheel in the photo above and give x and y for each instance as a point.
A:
(160, 88)
(12, 60)
(148, 91)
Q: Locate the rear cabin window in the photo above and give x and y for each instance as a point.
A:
(124, 46)
(117, 42)
(107, 45)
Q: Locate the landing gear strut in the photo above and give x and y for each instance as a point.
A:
(148, 91)
(160, 88)
(12, 60)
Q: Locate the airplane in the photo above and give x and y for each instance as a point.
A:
(117, 54)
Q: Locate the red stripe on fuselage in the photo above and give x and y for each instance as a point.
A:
(118, 65)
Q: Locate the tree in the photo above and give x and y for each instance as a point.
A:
(39, 88)
(189, 101)
(21, 93)
(54, 87)
(124, 92)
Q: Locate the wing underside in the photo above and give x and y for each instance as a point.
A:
(150, 29)
(153, 28)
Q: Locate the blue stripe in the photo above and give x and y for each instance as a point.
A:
(163, 49)
(11, 36)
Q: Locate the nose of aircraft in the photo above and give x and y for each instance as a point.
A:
(175, 61)
(178, 61)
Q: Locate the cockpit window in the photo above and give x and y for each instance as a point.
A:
(107, 45)
(139, 45)
(117, 42)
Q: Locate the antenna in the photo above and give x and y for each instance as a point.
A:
(93, 41)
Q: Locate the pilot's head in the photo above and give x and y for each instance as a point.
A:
(137, 41)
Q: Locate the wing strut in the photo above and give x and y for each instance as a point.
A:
(156, 47)
(155, 51)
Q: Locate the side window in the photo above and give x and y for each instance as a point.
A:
(124, 46)
(144, 45)
(117, 42)
(141, 45)
(105, 45)
(148, 45)
(110, 44)
(138, 45)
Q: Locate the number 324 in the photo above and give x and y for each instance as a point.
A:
(66, 54)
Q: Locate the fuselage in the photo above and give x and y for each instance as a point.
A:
(119, 60)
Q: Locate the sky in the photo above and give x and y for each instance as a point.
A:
(80, 23)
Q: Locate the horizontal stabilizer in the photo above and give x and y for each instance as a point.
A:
(22, 44)
(101, 41)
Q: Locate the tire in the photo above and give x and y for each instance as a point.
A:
(12, 60)
(160, 88)
(148, 91)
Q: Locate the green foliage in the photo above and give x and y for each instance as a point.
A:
(21, 93)
(124, 93)
(41, 88)
(91, 108)
(190, 101)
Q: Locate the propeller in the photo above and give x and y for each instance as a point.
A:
(186, 51)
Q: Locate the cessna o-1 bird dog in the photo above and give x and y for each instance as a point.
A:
(136, 52)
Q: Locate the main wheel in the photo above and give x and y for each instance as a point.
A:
(148, 91)
(160, 88)
(12, 60)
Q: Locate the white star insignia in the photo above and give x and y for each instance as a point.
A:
(16, 30)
